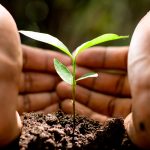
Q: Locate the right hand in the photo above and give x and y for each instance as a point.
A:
(138, 124)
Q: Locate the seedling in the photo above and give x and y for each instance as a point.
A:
(61, 69)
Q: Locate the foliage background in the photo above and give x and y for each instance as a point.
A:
(75, 21)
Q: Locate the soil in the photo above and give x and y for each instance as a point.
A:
(55, 132)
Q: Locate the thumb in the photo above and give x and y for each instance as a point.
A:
(10, 72)
(139, 75)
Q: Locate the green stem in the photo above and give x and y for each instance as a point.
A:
(74, 91)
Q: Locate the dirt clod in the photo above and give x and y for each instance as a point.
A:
(55, 132)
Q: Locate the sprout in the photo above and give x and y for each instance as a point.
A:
(61, 69)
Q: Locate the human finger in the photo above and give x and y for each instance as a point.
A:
(38, 59)
(35, 102)
(108, 83)
(104, 58)
(37, 82)
(51, 108)
(105, 104)
(67, 107)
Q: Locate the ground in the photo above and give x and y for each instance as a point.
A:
(55, 132)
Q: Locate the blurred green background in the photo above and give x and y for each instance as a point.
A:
(76, 21)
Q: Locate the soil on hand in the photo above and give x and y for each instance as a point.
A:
(55, 132)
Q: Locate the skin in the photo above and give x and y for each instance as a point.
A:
(139, 74)
(39, 80)
(106, 96)
(28, 75)
(10, 70)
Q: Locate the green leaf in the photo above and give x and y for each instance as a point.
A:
(46, 38)
(98, 40)
(88, 75)
(63, 72)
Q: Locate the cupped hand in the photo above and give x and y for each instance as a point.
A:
(39, 80)
(138, 124)
(10, 70)
(108, 95)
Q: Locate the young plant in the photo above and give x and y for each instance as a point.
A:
(61, 69)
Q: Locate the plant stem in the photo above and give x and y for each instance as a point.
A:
(74, 91)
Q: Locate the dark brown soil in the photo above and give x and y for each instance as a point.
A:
(55, 132)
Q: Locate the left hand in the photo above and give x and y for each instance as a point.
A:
(106, 96)
(39, 80)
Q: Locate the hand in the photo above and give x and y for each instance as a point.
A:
(39, 80)
(33, 95)
(138, 124)
(108, 95)
(10, 70)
